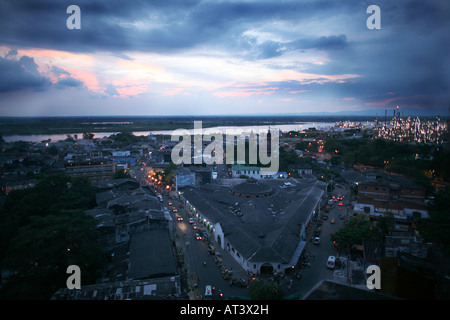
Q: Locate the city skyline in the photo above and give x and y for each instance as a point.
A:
(224, 57)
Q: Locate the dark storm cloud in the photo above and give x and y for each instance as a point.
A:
(69, 82)
(107, 24)
(408, 58)
(270, 49)
(21, 74)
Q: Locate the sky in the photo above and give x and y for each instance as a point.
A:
(186, 57)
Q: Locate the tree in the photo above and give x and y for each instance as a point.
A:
(260, 290)
(435, 229)
(43, 230)
(386, 223)
(168, 175)
(355, 230)
(88, 136)
(53, 150)
(121, 174)
(44, 248)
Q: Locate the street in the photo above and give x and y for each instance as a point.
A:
(317, 270)
(201, 266)
(203, 269)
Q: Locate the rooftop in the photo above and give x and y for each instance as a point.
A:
(149, 289)
(151, 254)
(259, 228)
(331, 290)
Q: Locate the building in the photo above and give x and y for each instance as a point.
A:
(163, 288)
(249, 171)
(135, 232)
(7, 186)
(193, 176)
(398, 196)
(93, 170)
(261, 223)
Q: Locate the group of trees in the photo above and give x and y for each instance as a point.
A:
(433, 229)
(43, 230)
(436, 228)
(420, 162)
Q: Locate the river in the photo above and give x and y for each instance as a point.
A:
(222, 129)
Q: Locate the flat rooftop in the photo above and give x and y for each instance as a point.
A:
(151, 254)
(266, 228)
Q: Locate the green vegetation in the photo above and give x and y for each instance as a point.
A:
(355, 230)
(260, 290)
(43, 230)
(436, 228)
(418, 161)
(168, 174)
(121, 174)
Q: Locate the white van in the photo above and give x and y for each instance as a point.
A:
(331, 262)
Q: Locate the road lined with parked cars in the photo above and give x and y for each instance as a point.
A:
(201, 261)
(323, 257)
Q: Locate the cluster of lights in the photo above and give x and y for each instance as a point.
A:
(412, 130)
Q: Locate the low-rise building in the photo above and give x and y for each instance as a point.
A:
(93, 170)
(244, 170)
(398, 196)
(261, 223)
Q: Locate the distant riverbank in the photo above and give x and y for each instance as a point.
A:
(222, 129)
(58, 128)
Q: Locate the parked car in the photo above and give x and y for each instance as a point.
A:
(331, 262)
(317, 232)
(191, 220)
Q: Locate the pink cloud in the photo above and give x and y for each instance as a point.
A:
(173, 92)
(383, 102)
(246, 90)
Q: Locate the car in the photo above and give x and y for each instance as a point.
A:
(317, 231)
(179, 218)
(198, 236)
(332, 221)
(175, 210)
(341, 204)
(324, 217)
(194, 226)
(331, 262)
(191, 220)
(316, 241)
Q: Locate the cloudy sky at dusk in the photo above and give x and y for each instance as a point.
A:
(186, 57)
